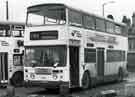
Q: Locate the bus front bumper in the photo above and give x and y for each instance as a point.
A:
(45, 84)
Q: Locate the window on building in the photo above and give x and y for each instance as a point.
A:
(90, 55)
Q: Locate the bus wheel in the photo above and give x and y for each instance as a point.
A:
(86, 80)
(17, 79)
(120, 75)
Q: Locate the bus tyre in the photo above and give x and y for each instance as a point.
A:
(120, 75)
(17, 79)
(86, 80)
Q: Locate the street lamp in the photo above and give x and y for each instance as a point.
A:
(103, 5)
(7, 11)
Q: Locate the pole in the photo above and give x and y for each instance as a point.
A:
(7, 15)
(103, 9)
(103, 6)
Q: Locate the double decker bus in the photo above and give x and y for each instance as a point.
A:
(11, 52)
(70, 47)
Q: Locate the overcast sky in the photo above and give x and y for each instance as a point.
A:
(17, 8)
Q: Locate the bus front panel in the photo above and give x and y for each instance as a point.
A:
(45, 65)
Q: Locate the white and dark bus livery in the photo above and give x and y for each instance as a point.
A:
(67, 46)
(11, 52)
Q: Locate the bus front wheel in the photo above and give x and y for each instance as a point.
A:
(17, 79)
(86, 80)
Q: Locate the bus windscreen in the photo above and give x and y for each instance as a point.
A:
(45, 56)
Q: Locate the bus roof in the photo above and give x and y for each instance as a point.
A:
(47, 4)
(60, 5)
(12, 23)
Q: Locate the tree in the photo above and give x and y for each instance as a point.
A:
(128, 22)
(125, 20)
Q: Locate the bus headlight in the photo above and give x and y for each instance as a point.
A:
(55, 76)
(2, 81)
(32, 75)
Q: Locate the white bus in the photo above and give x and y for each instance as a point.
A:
(70, 47)
(11, 52)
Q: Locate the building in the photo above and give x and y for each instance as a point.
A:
(131, 43)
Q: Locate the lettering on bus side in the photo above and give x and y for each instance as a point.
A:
(101, 38)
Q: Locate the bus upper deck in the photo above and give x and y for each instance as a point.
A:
(60, 14)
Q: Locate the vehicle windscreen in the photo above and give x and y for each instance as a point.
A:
(45, 56)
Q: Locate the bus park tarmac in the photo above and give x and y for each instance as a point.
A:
(122, 89)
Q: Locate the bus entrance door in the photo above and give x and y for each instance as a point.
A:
(3, 67)
(74, 65)
(100, 62)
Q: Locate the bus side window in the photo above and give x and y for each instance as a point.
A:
(90, 55)
(17, 59)
(100, 24)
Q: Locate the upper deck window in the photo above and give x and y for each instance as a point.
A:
(46, 14)
(124, 30)
(4, 31)
(11, 30)
(89, 22)
(110, 27)
(18, 33)
(118, 29)
(100, 24)
(17, 30)
(75, 18)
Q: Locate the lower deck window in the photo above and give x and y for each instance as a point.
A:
(90, 55)
(115, 55)
(18, 60)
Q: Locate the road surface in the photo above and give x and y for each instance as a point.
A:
(24, 92)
